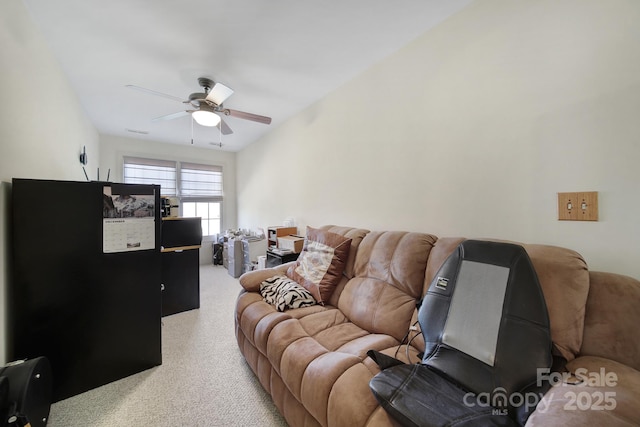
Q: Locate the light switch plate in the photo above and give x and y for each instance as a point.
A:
(578, 206)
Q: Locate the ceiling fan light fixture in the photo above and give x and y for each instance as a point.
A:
(206, 118)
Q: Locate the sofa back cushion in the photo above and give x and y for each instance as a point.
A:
(564, 279)
(356, 235)
(388, 280)
(612, 319)
(441, 251)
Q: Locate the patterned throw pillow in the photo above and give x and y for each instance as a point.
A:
(321, 263)
(283, 293)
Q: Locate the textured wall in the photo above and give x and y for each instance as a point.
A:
(43, 128)
(471, 130)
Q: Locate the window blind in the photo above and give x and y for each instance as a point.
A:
(200, 181)
(151, 171)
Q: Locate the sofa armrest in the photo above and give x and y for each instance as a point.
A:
(251, 280)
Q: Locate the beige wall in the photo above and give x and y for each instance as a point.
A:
(43, 129)
(42, 125)
(113, 148)
(472, 130)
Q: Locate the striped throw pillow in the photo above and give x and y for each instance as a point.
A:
(283, 293)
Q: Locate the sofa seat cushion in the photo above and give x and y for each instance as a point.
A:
(336, 336)
(257, 320)
(321, 377)
(609, 396)
(351, 402)
(328, 330)
(317, 322)
(360, 346)
(313, 351)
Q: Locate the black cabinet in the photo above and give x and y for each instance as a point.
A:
(181, 239)
(90, 301)
(181, 281)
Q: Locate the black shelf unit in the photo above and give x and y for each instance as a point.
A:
(96, 316)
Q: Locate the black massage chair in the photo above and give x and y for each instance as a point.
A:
(488, 345)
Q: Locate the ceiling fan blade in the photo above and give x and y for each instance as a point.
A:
(172, 116)
(153, 92)
(226, 130)
(219, 93)
(247, 116)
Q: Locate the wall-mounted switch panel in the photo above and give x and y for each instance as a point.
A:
(581, 206)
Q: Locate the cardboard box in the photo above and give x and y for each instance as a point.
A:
(291, 242)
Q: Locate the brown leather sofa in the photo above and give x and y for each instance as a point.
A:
(313, 362)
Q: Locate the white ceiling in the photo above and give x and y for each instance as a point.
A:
(279, 56)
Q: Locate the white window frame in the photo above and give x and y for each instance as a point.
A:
(209, 237)
(212, 194)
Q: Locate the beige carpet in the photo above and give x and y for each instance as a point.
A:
(202, 382)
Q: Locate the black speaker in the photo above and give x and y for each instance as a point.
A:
(30, 391)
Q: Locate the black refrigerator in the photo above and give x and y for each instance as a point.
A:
(85, 283)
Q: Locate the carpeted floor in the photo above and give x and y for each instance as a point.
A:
(202, 382)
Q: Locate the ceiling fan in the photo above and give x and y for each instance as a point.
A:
(207, 106)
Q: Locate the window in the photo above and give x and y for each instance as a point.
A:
(208, 211)
(147, 171)
(201, 195)
(198, 187)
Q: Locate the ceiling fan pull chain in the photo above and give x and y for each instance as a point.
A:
(192, 130)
